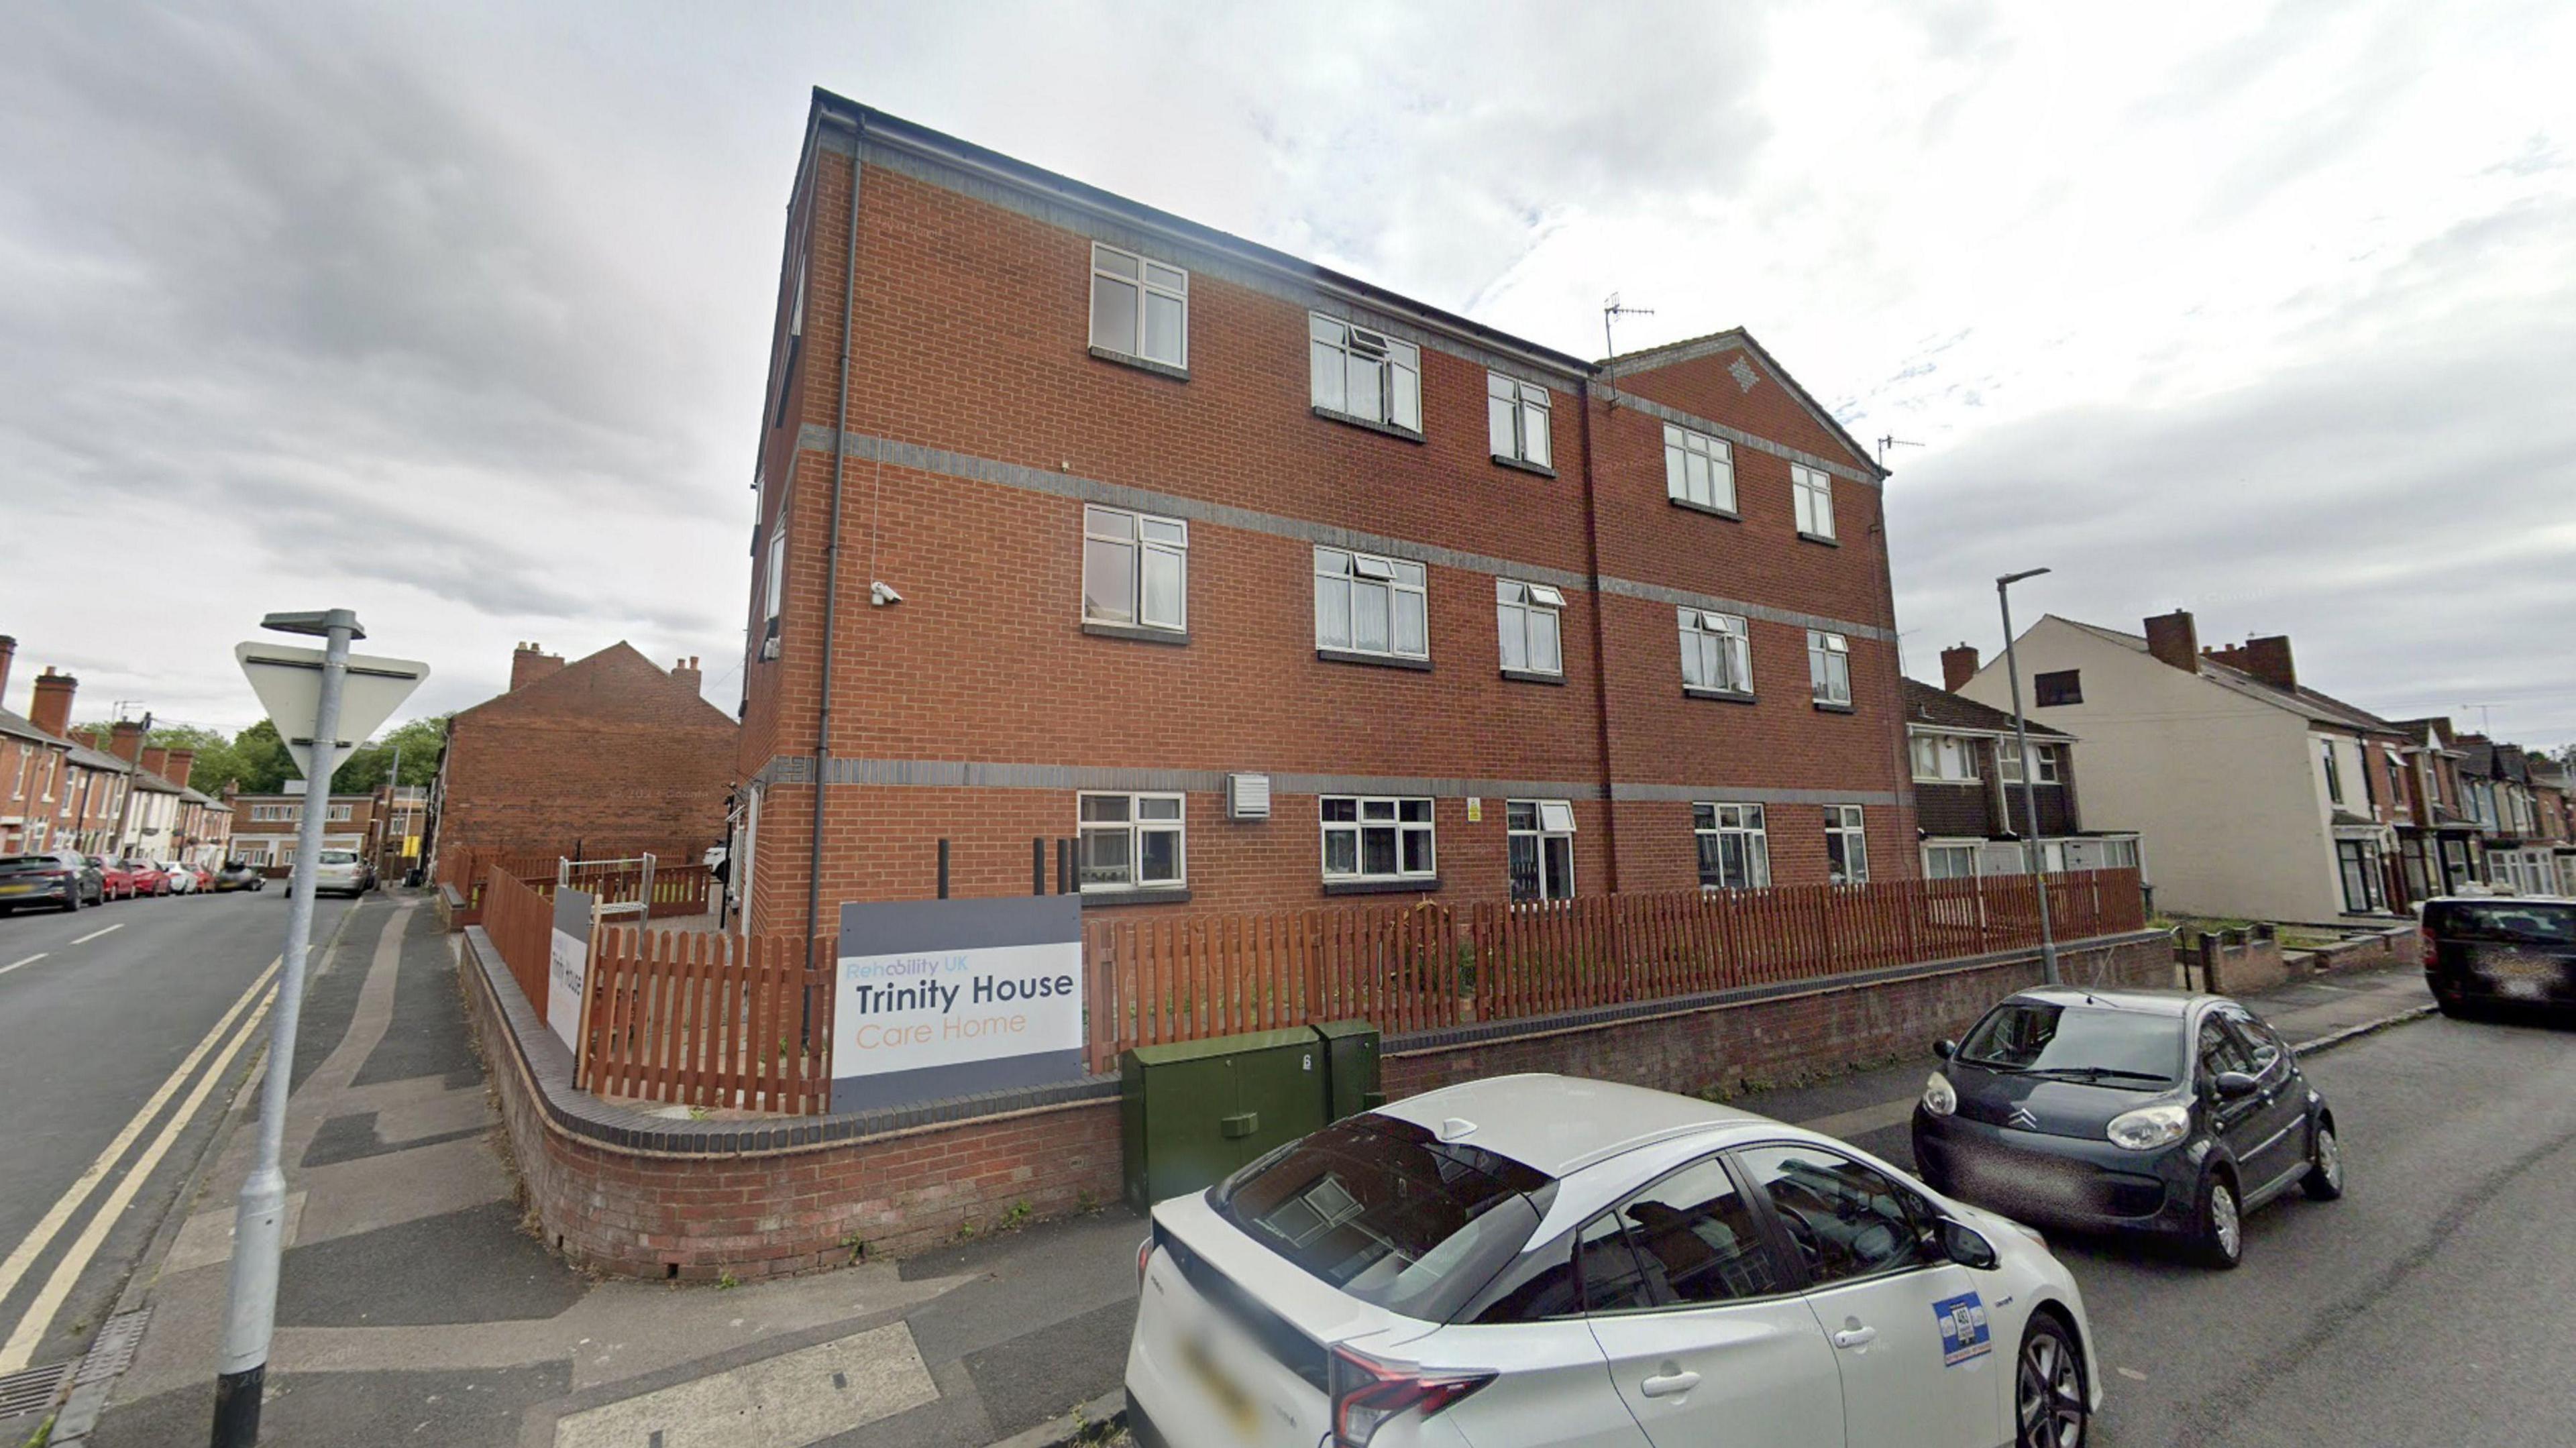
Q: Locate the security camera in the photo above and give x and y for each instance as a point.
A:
(883, 595)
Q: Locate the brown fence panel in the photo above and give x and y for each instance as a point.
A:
(521, 924)
(712, 1021)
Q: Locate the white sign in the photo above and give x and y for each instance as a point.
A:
(289, 684)
(942, 998)
(568, 965)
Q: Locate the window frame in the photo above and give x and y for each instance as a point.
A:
(1396, 360)
(1138, 547)
(1849, 825)
(1756, 835)
(2333, 768)
(1360, 825)
(2069, 684)
(1811, 493)
(2008, 762)
(1919, 1212)
(1530, 599)
(1824, 648)
(1514, 398)
(1135, 827)
(1971, 848)
(1680, 445)
(1728, 637)
(1146, 287)
(1541, 831)
(1394, 581)
(1944, 746)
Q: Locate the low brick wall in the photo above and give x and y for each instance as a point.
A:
(1770, 1033)
(625, 1192)
(2397, 945)
(2238, 962)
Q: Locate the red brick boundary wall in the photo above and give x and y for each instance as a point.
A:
(621, 1191)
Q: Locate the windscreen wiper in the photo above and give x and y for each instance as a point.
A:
(2098, 1073)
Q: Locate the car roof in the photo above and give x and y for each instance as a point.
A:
(1561, 1124)
(2147, 1002)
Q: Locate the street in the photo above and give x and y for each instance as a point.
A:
(124, 1031)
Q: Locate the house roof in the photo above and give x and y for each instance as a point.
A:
(573, 689)
(1737, 339)
(1933, 708)
(19, 726)
(2303, 701)
(150, 783)
(2345, 819)
(2477, 756)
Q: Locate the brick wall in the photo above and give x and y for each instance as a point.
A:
(986, 661)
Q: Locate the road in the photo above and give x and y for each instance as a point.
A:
(124, 1032)
(2434, 1304)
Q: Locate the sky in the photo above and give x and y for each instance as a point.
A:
(458, 315)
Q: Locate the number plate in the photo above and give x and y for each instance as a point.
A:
(1230, 1397)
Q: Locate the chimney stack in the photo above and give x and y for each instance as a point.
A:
(2175, 639)
(125, 740)
(687, 675)
(52, 709)
(183, 762)
(1958, 666)
(2267, 659)
(156, 761)
(529, 663)
(8, 652)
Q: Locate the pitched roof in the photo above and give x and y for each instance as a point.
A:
(1941, 709)
(574, 689)
(19, 726)
(1737, 339)
(2303, 701)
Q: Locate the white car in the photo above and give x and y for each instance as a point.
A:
(1547, 1262)
(340, 872)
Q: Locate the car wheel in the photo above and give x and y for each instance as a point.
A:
(2324, 1181)
(2220, 1240)
(2051, 1408)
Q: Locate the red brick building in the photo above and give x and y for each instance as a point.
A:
(1180, 526)
(605, 756)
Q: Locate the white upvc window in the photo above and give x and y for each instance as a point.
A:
(774, 579)
(1369, 838)
(1846, 846)
(1944, 759)
(1699, 469)
(1132, 842)
(1812, 491)
(2008, 762)
(1365, 604)
(1135, 569)
(1717, 651)
(1365, 374)
(1540, 833)
(1139, 308)
(1528, 620)
(339, 814)
(1950, 862)
(1734, 848)
(1516, 420)
(1829, 666)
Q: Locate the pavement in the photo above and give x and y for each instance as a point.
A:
(417, 1306)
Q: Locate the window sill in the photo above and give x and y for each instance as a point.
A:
(1712, 510)
(1367, 425)
(1806, 537)
(1142, 364)
(1425, 885)
(1159, 895)
(1531, 676)
(1177, 638)
(1823, 707)
(1724, 696)
(1382, 661)
(1524, 465)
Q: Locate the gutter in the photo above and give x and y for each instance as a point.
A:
(832, 547)
(1600, 651)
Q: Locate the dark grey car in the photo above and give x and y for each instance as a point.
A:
(2140, 1111)
(64, 879)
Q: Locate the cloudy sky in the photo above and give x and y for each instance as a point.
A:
(458, 314)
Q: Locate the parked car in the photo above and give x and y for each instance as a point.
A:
(63, 879)
(2146, 1111)
(2500, 951)
(150, 878)
(341, 872)
(239, 875)
(1539, 1260)
(182, 877)
(116, 878)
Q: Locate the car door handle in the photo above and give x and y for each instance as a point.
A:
(1664, 1385)
(1856, 1337)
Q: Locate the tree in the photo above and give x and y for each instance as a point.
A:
(215, 762)
(422, 742)
(262, 760)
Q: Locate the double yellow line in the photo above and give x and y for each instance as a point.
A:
(241, 1023)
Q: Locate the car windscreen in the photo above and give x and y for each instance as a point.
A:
(22, 864)
(2507, 922)
(1385, 1211)
(338, 857)
(2123, 1047)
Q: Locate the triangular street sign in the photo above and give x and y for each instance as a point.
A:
(289, 684)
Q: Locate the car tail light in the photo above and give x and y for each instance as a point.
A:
(2432, 952)
(1369, 1393)
(1144, 1259)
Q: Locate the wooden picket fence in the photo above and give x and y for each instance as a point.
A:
(521, 923)
(714, 1021)
(680, 887)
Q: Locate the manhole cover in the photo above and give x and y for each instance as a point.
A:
(31, 1391)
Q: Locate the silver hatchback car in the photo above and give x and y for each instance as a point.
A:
(339, 872)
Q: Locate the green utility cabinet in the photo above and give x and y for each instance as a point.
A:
(1197, 1110)
(1350, 1068)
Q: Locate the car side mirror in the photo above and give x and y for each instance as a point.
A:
(1945, 1048)
(1967, 1246)
(2235, 1085)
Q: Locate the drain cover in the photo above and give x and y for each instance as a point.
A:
(33, 1390)
(113, 1352)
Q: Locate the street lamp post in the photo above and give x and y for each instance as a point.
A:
(2029, 791)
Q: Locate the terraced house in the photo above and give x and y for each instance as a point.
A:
(1259, 585)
